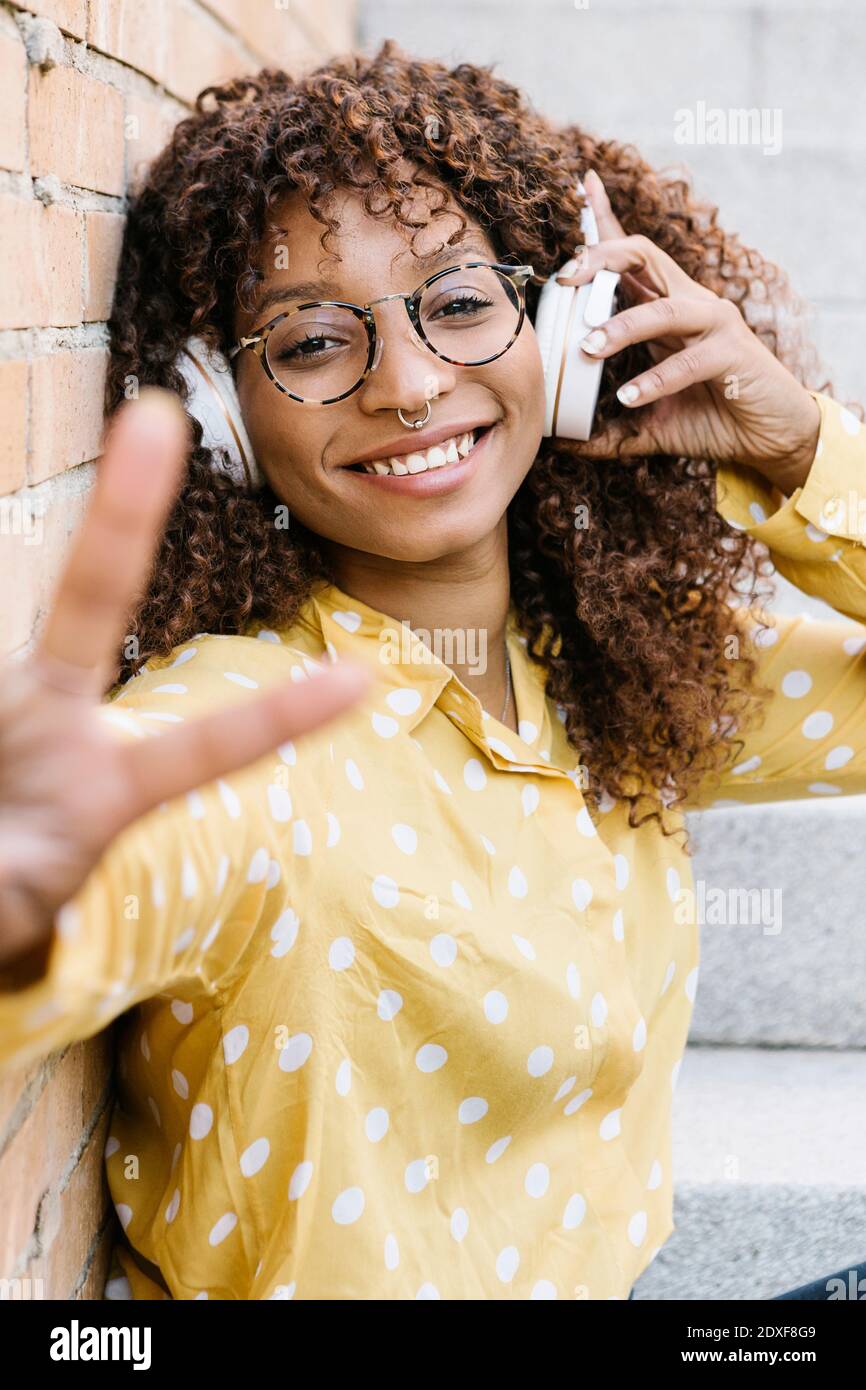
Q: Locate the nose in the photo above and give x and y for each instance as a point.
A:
(404, 374)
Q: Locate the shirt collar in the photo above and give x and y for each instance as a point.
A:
(409, 678)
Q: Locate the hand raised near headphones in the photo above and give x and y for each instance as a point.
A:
(68, 784)
(714, 391)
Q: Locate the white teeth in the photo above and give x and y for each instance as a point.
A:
(449, 451)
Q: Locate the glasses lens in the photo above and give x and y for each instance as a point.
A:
(318, 353)
(470, 315)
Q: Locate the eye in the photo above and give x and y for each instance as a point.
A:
(463, 306)
(458, 307)
(307, 349)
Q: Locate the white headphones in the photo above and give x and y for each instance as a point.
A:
(564, 316)
(213, 401)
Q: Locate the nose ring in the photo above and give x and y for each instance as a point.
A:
(414, 424)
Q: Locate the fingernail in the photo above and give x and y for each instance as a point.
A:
(627, 394)
(594, 341)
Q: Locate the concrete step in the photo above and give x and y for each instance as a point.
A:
(769, 1167)
(804, 985)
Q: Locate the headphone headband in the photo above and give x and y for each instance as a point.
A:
(213, 401)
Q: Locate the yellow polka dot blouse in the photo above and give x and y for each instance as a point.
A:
(402, 1016)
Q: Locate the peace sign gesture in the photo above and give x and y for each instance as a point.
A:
(715, 390)
(68, 785)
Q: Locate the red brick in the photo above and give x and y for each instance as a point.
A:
(13, 1083)
(147, 128)
(94, 1286)
(13, 413)
(104, 235)
(135, 33)
(200, 52)
(29, 572)
(330, 23)
(68, 15)
(41, 251)
(76, 129)
(76, 1214)
(66, 410)
(32, 1165)
(13, 90)
(277, 33)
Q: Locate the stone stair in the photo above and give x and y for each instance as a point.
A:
(769, 1137)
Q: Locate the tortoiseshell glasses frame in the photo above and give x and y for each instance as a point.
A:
(516, 275)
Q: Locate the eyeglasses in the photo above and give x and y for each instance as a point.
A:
(321, 352)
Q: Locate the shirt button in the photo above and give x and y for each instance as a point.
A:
(832, 511)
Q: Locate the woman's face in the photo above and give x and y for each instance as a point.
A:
(304, 450)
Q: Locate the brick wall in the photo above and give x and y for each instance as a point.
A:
(89, 90)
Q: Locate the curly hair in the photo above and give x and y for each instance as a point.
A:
(639, 599)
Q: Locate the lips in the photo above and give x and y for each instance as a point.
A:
(404, 446)
(426, 480)
(438, 455)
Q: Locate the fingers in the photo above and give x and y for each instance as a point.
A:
(703, 361)
(608, 223)
(161, 768)
(635, 291)
(656, 321)
(26, 928)
(655, 268)
(112, 552)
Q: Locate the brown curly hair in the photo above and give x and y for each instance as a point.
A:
(639, 597)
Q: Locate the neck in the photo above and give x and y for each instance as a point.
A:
(459, 602)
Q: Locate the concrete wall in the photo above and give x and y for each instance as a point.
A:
(768, 1196)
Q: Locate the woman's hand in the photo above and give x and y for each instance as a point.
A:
(67, 784)
(715, 391)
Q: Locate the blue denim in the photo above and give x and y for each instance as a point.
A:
(849, 1284)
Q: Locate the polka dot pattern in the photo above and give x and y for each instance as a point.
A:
(406, 966)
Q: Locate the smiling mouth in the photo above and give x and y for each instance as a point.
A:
(440, 455)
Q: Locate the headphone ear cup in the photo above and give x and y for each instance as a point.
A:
(551, 321)
(213, 401)
(564, 316)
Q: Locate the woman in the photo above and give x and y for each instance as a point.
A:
(405, 1001)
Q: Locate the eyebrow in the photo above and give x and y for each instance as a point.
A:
(318, 289)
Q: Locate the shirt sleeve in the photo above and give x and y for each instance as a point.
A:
(175, 899)
(810, 739)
